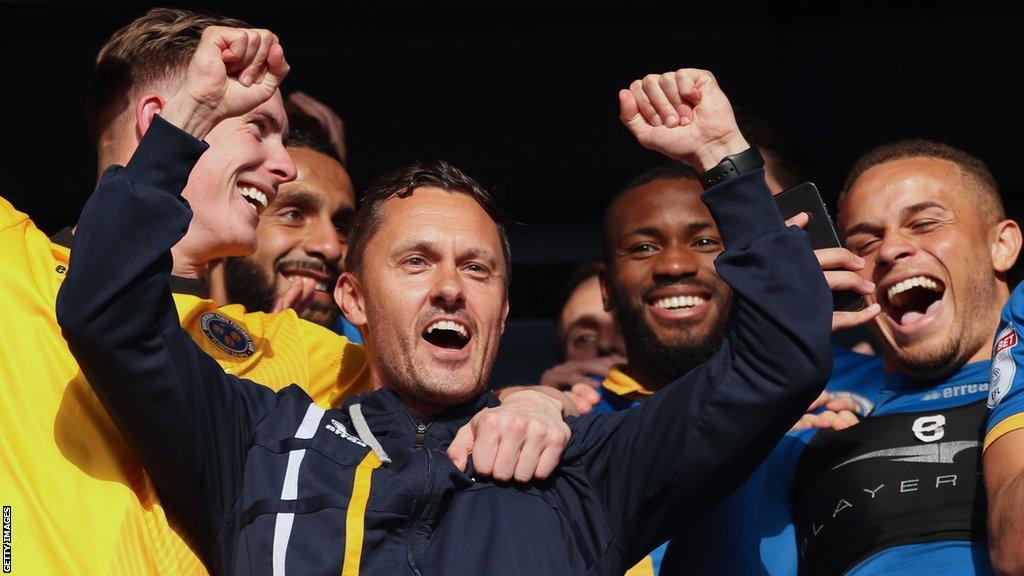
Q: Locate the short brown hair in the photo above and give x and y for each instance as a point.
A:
(151, 48)
(989, 204)
(402, 183)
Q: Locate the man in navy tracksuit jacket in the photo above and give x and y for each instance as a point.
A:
(270, 483)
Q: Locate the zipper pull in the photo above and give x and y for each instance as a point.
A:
(421, 434)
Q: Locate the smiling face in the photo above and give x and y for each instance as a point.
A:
(302, 236)
(432, 297)
(935, 259)
(661, 284)
(236, 178)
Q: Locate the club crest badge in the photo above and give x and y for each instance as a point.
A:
(1004, 368)
(227, 335)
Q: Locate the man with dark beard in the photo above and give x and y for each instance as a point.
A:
(302, 235)
(672, 308)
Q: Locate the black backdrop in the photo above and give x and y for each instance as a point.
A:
(522, 95)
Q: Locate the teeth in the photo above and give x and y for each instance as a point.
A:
(680, 302)
(321, 286)
(448, 325)
(254, 194)
(909, 283)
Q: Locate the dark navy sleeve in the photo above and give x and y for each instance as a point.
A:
(185, 419)
(697, 439)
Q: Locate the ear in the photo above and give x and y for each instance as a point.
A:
(602, 280)
(145, 108)
(1006, 243)
(504, 315)
(349, 297)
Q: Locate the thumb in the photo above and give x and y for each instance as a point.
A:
(801, 220)
(589, 397)
(462, 446)
(629, 113)
(233, 44)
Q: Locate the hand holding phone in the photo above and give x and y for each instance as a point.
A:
(805, 198)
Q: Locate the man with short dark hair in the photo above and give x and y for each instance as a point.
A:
(901, 490)
(261, 477)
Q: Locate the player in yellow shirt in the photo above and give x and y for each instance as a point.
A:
(80, 501)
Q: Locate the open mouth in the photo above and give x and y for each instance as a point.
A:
(447, 334)
(910, 300)
(321, 284)
(678, 302)
(254, 196)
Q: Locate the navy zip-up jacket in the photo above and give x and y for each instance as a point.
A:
(268, 483)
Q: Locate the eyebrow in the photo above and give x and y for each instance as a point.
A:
(301, 198)
(905, 213)
(269, 118)
(585, 321)
(429, 247)
(654, 231)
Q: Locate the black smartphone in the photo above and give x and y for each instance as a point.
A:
(805, 198)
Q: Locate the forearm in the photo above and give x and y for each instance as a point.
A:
(1006, 527)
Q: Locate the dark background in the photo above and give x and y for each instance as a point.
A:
(522, 95)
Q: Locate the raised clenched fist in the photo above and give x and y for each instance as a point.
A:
(684, 115)
(233, 71)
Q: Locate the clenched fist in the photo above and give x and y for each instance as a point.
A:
(233, 71)
(684, 115)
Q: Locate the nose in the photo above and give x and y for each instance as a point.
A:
(324, 243)
(609, 343)
(894, 247)
(448, 292)
(675, 261)
(279, 162)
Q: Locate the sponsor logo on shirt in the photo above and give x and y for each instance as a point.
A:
(1003, 366)
(227, 335)
(955, 391)
(339, 429)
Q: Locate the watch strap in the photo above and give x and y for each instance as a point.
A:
(732, 166)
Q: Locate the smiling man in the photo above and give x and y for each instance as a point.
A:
(902, 490)
(303, 236)
(269, 481)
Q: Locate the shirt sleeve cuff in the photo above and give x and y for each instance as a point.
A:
(165, 156)
(743, 208)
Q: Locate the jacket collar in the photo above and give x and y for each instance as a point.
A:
(388, 418)
(622, 384)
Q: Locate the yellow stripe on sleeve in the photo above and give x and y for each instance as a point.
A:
(356, 515)
(1008, 425)
(644, 567)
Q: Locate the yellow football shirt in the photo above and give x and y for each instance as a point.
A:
(80, 502)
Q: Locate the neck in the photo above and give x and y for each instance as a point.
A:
(649, 377)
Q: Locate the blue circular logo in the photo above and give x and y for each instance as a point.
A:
(227, 335)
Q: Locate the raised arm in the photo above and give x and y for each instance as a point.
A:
(180, 413)
(699, 437)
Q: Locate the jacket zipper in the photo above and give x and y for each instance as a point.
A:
(421, 432)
